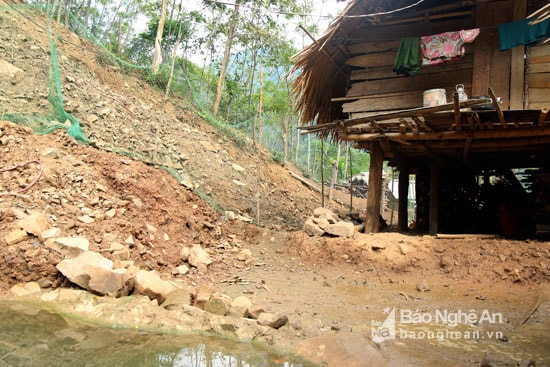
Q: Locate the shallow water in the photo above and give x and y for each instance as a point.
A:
(36, 337)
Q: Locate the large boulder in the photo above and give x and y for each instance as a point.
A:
(312, 228)
(34, 224)
(198, 256)
(177, 298)
(341, 229)
(68, 246)
(95, 273)
(150, 284)
(325, 213)
(239, 306)
(272, 320)
(325, 221)
(202, 295)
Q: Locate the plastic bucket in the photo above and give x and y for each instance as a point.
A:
(435, 97)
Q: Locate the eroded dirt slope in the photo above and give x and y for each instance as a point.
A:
(123, 114)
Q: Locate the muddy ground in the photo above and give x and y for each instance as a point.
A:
(332, 289)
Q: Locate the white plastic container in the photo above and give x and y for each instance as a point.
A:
(435, 97)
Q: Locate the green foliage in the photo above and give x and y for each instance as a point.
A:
(160, 79)
(278, 157)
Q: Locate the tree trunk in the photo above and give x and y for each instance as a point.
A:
(119, 40)
(285, 140)
(308, 152)
(59, 12)
(334, 173)
(226, 56)
(158, 39)
(297, 146)
(68, 8)
(87, 16)
(172, 66)
(259, 147)
(346, 160)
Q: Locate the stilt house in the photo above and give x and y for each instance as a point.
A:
(384, 76)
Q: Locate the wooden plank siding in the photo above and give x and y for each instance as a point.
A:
(492, 66)
(377, 87)
(387, 71)
(405, 84)
(374, 86)
(381, 102)
(517, 72)
(538, 77)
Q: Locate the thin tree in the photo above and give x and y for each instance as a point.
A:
(334, 173)
(297, 146)
(178, 40)
(259, 145)
(87, 16)
(226, 55)
(285, 140)
(158, 39)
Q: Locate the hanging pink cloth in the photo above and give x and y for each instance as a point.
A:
(445, 47)
(469, 35)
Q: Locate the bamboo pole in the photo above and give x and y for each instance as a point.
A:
(424, 125)
(541, 14)
(456, 103)
(497, 108)
(470, 119)
(324, 52)
(414, 112)
(462, 236)
(542, 116)
(449, 135)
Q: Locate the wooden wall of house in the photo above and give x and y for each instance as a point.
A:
(538, 77)
(375, 88)
(379, 88)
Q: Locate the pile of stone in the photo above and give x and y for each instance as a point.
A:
(325, 222)
(217, 303)
(92, 271)
(95, 273)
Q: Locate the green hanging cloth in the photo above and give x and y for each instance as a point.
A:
(407, 61)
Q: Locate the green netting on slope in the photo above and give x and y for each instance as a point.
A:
(58, 117)
(55, 97)
(182, 86)
(202, 195)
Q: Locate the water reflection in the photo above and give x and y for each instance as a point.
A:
(36, 337)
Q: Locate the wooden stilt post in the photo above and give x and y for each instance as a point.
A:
(434, 197)
(322, 173)
(422, 197)
(374, 195)
(403, 206)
